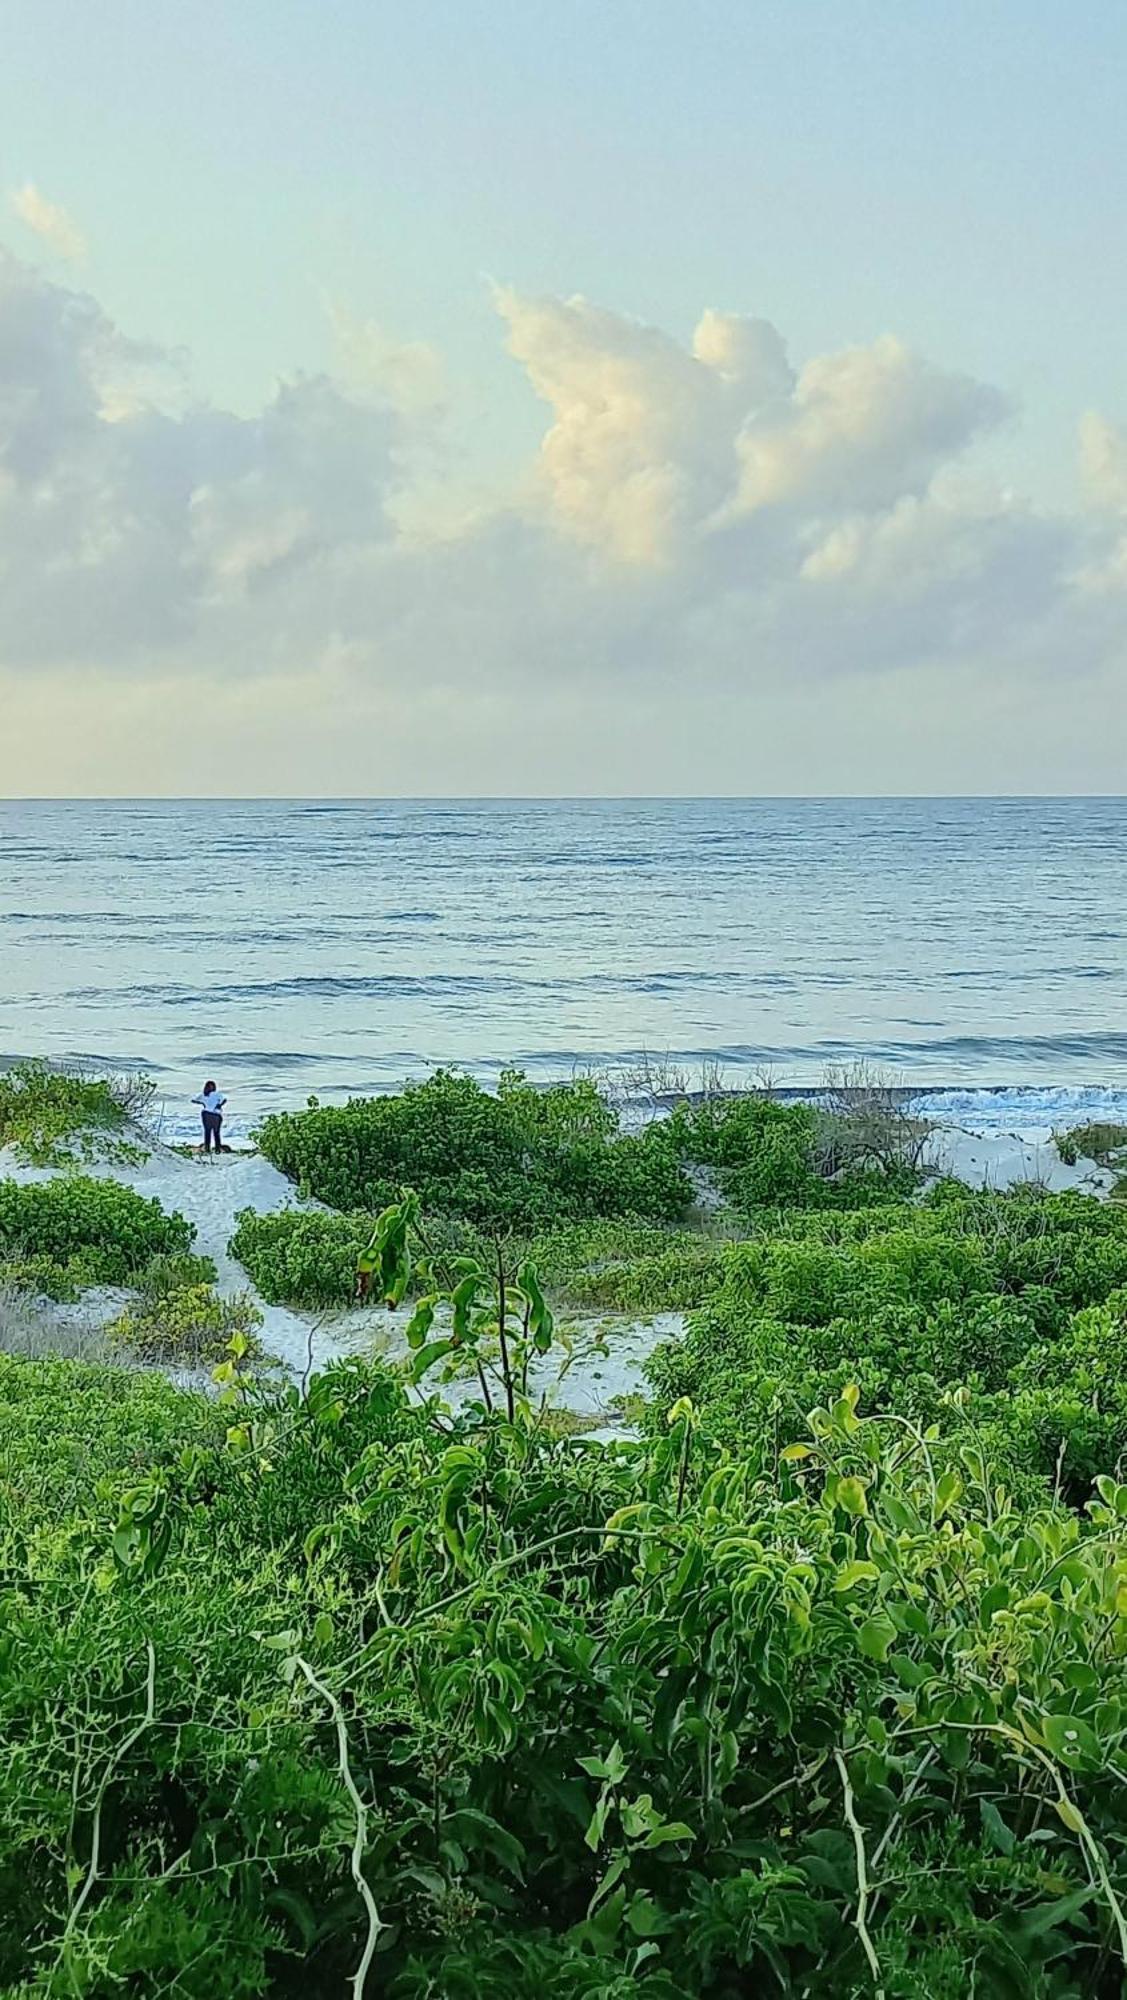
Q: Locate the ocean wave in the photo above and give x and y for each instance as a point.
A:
(392, 985)
(1024, 1107)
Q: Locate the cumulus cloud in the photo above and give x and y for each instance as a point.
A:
(643, 447)
(863, 429)
(50, 222)
(706, 516)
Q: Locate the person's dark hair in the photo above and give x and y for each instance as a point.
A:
(207, 1087)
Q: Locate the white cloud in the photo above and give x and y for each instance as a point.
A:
(705, 525)
(863, 429)
(50, 222)
(643, 449)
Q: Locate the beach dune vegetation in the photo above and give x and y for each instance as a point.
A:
(72, 1231)
(517, 1158)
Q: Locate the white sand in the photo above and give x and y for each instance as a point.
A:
(1005, 1159)
(609, 1354)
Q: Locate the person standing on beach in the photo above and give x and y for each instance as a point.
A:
(212, 1101)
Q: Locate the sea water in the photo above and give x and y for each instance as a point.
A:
(289, 948)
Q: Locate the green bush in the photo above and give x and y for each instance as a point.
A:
(174, 1271)
(642, 1724)
(50, 1114)
(627, 1266)
(769, 1156)
(521, 1159)
(1101, 1140)
(73, 1231)
(301, 1257)
(1012, 1298)
(761, 1151)
(191, 1325)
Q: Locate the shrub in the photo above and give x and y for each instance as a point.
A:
(982, 1292)
(174, 1271)
(520, 1159)
(189, 1324)
(1101, 1140)
(642, 1724)
(301, 1257)
(74, 1231)
(44, 1110)
(769, 1156)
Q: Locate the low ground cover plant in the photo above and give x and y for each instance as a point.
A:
(1018, 1300)
(59, 1235)
(60, 1117)
(764, 1154)
(187, 1325)
(306, 1257)
(1101, 1140)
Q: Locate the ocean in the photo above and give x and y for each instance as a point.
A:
(975, 947)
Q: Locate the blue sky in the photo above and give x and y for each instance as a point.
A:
(957, 174)
(953, 175)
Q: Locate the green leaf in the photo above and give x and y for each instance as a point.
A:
(608, 1880)
(427, 1356)
(645, 1919)
(674, 1829)
(1071, 1739)
(279, 1642)
(875, 1637)
(1044, 1917)
(856, 1572)
(994, 1825)
(851, 1496)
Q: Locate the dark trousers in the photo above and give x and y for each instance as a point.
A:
(212, 1127)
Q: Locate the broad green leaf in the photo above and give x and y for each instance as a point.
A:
(673, 1829)
(851, 1495)
(852, 1573)
(1071, 1739)
(1000, 1834)
(875, 1637)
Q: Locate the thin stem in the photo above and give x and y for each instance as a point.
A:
(108, 1776)
(359, 1838)
(484, 1384)
(502, 1303)
(860, 1923)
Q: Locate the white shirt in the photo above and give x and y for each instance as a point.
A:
(212, 1100)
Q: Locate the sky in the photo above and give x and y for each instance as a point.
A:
(611, 397)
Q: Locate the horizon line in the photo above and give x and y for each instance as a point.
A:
(549, 798)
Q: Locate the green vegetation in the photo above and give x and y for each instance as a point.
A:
(819, 1687)
(1017, 1300)
(347, 1699)
(764, 1154)
(306, 1257)
(1101, 1140)
(603, 1216)
(57, 1236)
(58, 1118)
(190, 1325)
(301, 1257)
(521, 1159)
